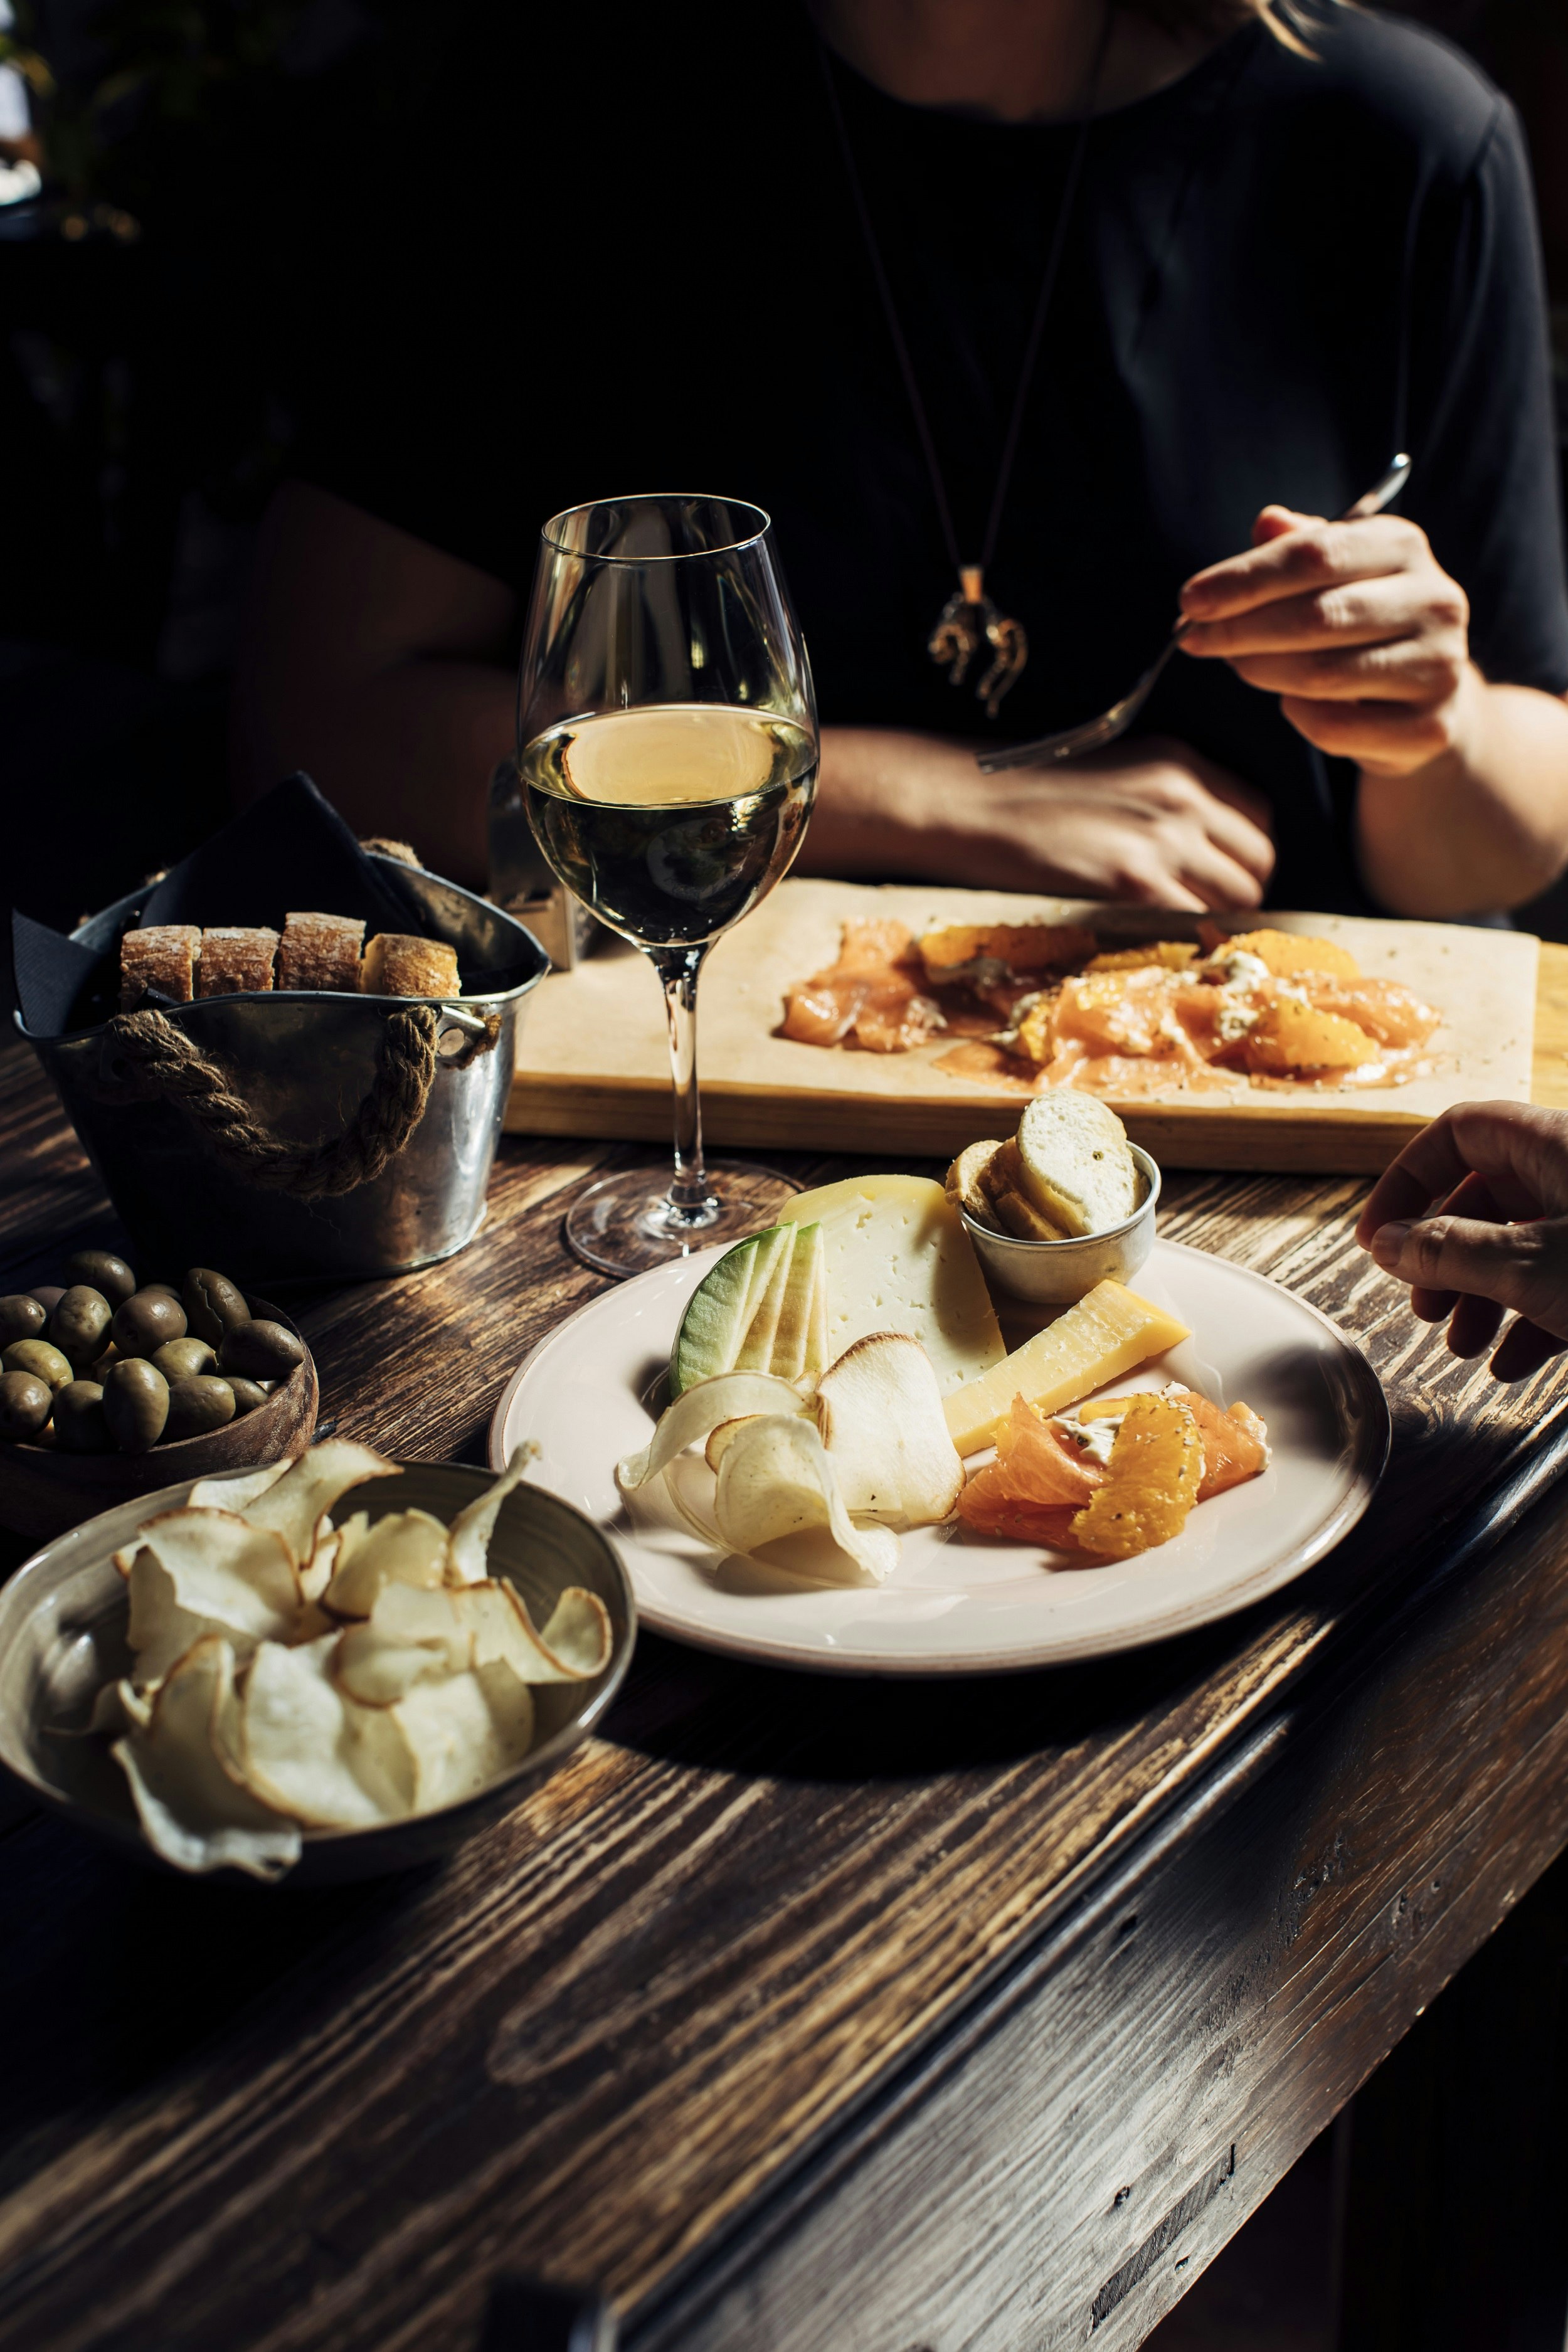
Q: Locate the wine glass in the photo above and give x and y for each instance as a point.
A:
(668, 750)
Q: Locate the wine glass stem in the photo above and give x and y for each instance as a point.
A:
(679, 968)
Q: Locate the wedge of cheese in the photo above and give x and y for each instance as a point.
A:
(898, 1259)
(1110, 1331)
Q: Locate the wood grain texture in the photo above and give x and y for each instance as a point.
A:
(1126, 2096)
(603, 2040)
(592, 1058)
(1549, 1079)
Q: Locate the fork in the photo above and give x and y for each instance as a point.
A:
(1093, 733)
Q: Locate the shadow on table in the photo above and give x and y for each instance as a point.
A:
(113, 1974)
(685, 1706)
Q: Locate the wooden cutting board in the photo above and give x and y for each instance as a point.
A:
(592, 1058)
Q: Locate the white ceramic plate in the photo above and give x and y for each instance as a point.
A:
(958, 1602)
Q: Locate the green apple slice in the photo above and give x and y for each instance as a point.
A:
(757, 1347)
(720, 1310)
(793, 1338)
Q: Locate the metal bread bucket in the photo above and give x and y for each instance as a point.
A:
(302, 1133)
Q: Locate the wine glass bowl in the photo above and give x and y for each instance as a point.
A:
(668, 752)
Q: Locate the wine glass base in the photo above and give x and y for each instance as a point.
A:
(624, 1223)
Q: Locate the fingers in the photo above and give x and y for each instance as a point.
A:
(1304, 558)
(1520, 1151)
(1523, 1267)
(1525, 1348)
(1354, 613)
(1474, 1324)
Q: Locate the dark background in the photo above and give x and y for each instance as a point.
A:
(156, 307)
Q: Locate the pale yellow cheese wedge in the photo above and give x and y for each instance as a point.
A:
(898, 1259)
(1107, 1333)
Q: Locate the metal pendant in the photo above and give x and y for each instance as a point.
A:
(967, 621)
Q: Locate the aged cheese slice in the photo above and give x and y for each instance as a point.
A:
(898, 1259)
(1107, 1333)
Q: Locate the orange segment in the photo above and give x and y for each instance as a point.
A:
(1174, 955)
(1289, 1036)
(1021, 947)
(1389, 1013)
(1235, 1444)
(1286, 953)
(1151, 1481)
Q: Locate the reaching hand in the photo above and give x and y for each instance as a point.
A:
(1148, 820)
(1497, 1173)
(1355, 625)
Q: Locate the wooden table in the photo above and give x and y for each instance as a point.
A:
(795, 2012)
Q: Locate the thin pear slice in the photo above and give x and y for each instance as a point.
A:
(411, 1636)
(469, 1537)
(792, 1339)
(756, 1353)
(191, 1810)
(302, 1750)
(235, 1490)
(880, 1414)
(317, 1571)
(779, 1502)
(310, 1487)
(201, 1572)
(404, 1548)
(464, 1732)
(719, 1440)
(697, 1411)
(574, 1645)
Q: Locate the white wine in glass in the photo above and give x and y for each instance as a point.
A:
(668, 752)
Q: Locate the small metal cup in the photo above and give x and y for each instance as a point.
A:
(1058, 1274)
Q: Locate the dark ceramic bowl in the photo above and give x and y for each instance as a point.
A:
(62, 1634)
(44, 1490)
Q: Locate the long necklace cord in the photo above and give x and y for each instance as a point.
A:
(1037, 324)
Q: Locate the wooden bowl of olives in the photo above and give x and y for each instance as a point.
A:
(110, 1389)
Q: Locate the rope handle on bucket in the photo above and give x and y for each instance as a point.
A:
(157, 1060)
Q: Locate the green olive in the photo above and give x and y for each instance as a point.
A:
(21, 1318)
(183, 1360)
(25, 1403)
(213, 1304)
(260, 1351)
(80, 1424)
(145, 1321)
(248, 1394)
(36, 1356)
(104, 1272)
(135, 1406)
(197, 1405)
(79, 1324)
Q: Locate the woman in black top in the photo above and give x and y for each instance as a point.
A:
(634, 260)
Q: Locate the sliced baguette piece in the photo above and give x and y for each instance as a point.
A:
(320, 952)
(1074, 1164)
(161, 956)
(966, 1181)
(235, 962)
(397, 964)
(1015, 1212)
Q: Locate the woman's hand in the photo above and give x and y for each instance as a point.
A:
(1355, 625)
(1148, 820)
(1482, 1166)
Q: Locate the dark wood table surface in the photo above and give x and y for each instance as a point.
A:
(797, 2011)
